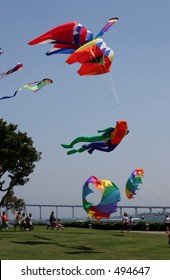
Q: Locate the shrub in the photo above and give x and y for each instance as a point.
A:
(143, 226)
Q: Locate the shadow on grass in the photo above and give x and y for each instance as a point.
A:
(40, 237)
(118, 234)
(29, 242)
(79, 233)
(81, 249)
(82, 252)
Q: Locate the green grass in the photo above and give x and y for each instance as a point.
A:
(82, 244)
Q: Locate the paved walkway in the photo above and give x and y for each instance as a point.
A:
(150, 232)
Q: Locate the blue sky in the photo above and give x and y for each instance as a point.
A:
(74, 105)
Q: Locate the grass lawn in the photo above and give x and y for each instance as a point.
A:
(82, 244)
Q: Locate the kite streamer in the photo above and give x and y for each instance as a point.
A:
(34, 86)
(12, 70)
(107, 26)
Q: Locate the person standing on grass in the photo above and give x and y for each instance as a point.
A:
(4, 221)
(130, 223)
(23, 222)
(167, 223)
(18, 218)
(125, 222)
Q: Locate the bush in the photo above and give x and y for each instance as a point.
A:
(143, 226)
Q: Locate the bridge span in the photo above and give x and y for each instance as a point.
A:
(121, 209)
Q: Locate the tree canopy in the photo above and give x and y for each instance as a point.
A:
(17, 158)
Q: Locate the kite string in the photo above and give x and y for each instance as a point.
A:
(114, 88)
(111, 79)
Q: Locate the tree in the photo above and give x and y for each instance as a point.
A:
(17, 159)
(14, 203)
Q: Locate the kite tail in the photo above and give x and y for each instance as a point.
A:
(6, 97)
(82, 149)
(69, 146)
(83, 139)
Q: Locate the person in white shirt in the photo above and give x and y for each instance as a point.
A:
(125, 222)
(167, 223)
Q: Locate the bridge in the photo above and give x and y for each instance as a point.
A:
(121, 209)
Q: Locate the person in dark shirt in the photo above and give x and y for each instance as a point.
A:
(53, 221)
